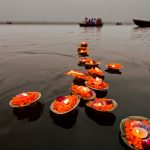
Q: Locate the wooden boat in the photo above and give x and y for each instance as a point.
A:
(141, 23)
(90, 25)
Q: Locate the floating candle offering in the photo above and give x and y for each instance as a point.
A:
(102, 104)
(84, 60)
(114, 66)
(65, 105)
(74, 73)
(95, 71)
(83, 91)
(83, 44)
(24, 99)
(97, 84)
(140, 132)
(135, 132)
(79, 75)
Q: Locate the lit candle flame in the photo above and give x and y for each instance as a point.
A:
(140, 132)
(97, 69)
(91, 62)
(98, 80)
(24, 94)
(83, 59)
(113, 66)
(66, 101)
(137, 131)
(83, 42)
(85, 89)
(99, 104)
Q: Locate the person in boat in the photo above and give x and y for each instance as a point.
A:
(92, 21)
(85, 21)
(99, 21)
(95, 21)
(89, 21)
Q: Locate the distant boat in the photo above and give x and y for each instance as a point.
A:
(8, 22)
(90, 25)
(141, 23)
(118, 23)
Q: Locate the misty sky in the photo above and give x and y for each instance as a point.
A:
(73, 10)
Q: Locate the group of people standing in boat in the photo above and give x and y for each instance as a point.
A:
(92, 21)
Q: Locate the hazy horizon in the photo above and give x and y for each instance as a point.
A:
(73, 10)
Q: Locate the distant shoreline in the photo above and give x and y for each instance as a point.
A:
(51, 23)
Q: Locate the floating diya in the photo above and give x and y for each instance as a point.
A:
(84, 44)
(24, 99)
(75, 73)
(82, 48)
(114, 66)
(64, 104)
(95, 72)
(84, 92)
(78, 75)
(97, 84)
(135, 132)
(102, 104)
(92, 63)
(83, 52)
(84, 60)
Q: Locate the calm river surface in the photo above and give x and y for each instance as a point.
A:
(35, 58)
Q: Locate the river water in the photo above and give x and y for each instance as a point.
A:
(35, 58)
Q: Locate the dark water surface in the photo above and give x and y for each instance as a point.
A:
(35, 57)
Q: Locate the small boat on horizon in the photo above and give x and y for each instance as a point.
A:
(142, 23)
(118, 23)
(91, 22)
(90, 25)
